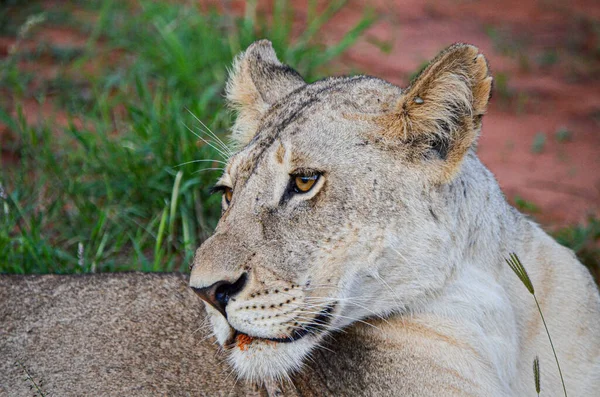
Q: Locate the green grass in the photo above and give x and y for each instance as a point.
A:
(584, 239)
(539, 143)
(563, 135)
(525, 205)
(116, 188)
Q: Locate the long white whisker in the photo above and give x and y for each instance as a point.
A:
(378, 277)
(225, 156)
(379, 316)
(336, 315)
(208, 169)
(328, 327)
(201, 161)
(333, 299)
(311, 306)
(210, 131)
(219, 141)
(400, 254)
(207, 337)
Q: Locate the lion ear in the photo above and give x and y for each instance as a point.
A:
(256, 81)
(440, 113)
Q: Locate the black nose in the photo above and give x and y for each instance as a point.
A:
(218, 294)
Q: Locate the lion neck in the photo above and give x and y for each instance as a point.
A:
(488, 229)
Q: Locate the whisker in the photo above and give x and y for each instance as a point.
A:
(376, 315)
(351, 300)
(333, 299)
(378, 277)
(225, 156)
(336, 315)
(208, 169)
(201, 161)
(328, 326)
(221, 145)
(202, 327)
(219, 141)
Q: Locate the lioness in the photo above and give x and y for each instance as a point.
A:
(352, 201)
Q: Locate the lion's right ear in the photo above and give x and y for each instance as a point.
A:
(256, 81)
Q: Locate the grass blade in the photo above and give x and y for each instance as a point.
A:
(517, 267)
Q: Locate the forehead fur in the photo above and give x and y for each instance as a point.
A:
(308, 112)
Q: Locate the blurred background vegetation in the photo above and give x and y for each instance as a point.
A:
(117, 176)
(107, 119)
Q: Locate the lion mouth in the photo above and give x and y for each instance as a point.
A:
(316, 326)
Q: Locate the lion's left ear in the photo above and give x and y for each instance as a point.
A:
(256, 81)
(439, 115)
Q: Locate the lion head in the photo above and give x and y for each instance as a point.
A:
(339, 205)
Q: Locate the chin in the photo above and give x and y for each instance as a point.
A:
(260, 360)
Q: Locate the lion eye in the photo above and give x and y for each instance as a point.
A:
(303, 183)
(228, 194)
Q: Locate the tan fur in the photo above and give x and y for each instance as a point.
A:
(404, 229)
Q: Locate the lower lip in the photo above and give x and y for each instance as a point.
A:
(242, 340)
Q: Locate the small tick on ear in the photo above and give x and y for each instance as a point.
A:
(418, 100)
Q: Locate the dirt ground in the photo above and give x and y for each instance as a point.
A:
(541, 136)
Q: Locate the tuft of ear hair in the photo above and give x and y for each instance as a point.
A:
(257, 80)
(441, 110)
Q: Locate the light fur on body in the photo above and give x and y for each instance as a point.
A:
(404, 236)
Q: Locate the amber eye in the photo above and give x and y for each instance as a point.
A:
(228, 194)
(303, 183)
